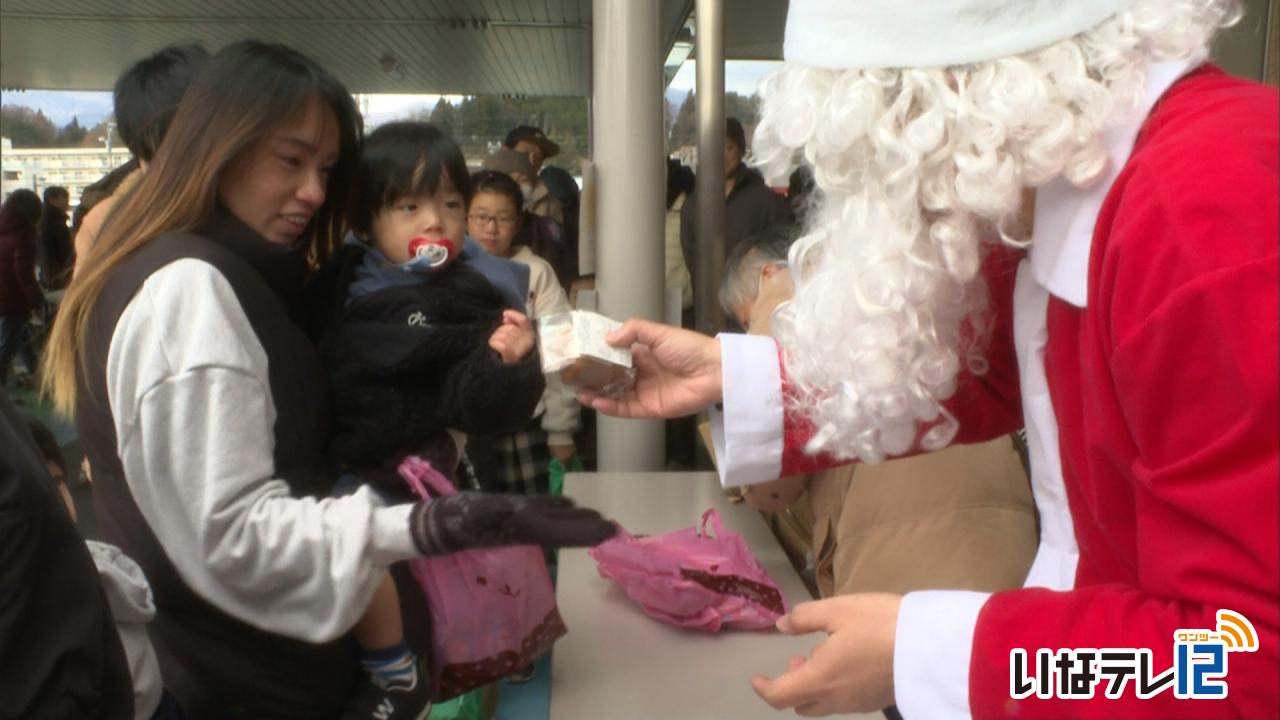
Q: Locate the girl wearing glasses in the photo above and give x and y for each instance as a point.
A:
(495, 221)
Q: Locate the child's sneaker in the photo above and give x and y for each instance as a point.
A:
(376, 699)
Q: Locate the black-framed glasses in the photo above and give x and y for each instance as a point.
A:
(482, 219)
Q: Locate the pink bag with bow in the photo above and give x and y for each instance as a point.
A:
(493, 611)
(692, 579)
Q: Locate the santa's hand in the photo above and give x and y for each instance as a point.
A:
(850, 671)
(514, 339)
(677, 372)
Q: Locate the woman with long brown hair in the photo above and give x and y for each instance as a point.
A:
(201, 404)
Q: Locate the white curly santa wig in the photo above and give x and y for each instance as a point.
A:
(921, 155)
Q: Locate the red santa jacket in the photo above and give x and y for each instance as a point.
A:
(1165, 393)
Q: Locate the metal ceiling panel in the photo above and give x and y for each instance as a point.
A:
(753, 29)
(499, 47)
(515, 47)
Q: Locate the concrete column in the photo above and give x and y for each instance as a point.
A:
(630, 172)
(708, 263)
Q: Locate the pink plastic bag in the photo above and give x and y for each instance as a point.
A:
(690, 579)
(493, 611)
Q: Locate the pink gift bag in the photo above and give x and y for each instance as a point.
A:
(493, 611)
(692, 579)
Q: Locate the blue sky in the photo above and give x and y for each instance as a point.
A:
(61, 105)
(741, 76)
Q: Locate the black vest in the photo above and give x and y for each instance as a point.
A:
(216, 665)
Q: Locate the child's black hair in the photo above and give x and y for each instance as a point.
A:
(493, 181)
(404, 159)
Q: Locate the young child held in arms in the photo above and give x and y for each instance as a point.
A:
(423, 343)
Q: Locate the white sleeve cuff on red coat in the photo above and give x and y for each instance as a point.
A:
(932, 647)
(747, 434)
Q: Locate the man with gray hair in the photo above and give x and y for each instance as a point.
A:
(753, 264)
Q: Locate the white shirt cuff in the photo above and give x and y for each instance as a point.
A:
(393, 540)
(747, 434)
(932, 647)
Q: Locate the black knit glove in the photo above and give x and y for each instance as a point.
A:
(468, 520)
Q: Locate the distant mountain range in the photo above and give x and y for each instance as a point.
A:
(91, 107)
(61, 105)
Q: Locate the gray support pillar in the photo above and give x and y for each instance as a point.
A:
(709, 254)
(630, 172)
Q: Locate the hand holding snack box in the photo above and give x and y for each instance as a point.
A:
(575, 353)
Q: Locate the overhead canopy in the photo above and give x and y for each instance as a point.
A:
(480, 47)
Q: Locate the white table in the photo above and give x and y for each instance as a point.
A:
(618, 663)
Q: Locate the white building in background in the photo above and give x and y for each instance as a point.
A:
(11, 171)
(38, 168)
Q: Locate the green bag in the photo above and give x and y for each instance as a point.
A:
(478, 704)
(556, 472)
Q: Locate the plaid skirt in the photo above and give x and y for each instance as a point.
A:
(524, 462)
(516, 463)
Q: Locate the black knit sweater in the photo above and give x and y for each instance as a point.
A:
(404, 363)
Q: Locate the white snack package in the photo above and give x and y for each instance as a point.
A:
(574, 351)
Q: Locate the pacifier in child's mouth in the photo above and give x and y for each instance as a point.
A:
(430, 254)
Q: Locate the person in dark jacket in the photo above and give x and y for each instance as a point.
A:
(19, 292)
(60, 655)
(751, 206)
(55, 238)
(565, 189)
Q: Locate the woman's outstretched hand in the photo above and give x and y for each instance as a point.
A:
(677, 372)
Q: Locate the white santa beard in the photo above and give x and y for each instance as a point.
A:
(874, 333)
(908, 164)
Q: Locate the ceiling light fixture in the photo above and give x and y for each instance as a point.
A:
(391, 66)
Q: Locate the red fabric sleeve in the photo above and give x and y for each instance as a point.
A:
(987, 405)
(1205, 496)
(1174, 461)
